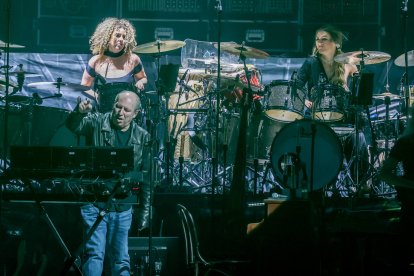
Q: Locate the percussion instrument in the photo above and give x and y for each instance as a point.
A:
(356, 58)
(329, 102)
(296, 140)
(285, 103)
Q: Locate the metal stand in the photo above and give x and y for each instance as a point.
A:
(404, 14)
(70, 262)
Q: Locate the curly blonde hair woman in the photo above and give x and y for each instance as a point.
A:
(114, 66)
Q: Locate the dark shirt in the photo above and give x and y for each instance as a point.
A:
(97, 127)
(310, 74)
(108, 88)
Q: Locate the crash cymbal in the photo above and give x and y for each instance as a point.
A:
(158, 46)
(400, 61)
(370, 57)
(4, 44)
(54, 86)
(382, 96)
(237, 49)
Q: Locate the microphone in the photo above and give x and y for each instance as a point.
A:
(20, 77)
(292, 83)
(183, 77)
(405, 6)
(182, 84)
(294, 76)
(218, 5)
(402, 81)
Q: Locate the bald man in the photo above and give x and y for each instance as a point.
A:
(116, 128)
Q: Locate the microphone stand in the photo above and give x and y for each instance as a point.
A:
(215, 157)
(6, 107)
(404, 14)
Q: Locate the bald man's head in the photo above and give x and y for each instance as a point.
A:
(126, 107)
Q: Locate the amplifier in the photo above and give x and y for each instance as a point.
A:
(165, 256)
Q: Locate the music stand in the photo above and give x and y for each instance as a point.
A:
(362, 94)
(363, 86)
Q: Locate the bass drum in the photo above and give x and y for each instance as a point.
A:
(297, 137)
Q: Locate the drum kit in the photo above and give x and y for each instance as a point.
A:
(278, 132)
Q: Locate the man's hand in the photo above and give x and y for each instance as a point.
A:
(84, 106)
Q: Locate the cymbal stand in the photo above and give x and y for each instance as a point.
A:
(404, 14)
(6, 108)
(154, 150)
(214, 159)
(7, 86)
(356, 91)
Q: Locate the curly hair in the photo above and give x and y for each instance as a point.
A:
(100, 38)
(338, 37)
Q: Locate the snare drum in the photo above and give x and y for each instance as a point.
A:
(285, 103)
(328, 102)
(301, 136)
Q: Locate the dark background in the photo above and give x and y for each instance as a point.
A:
(280, 27)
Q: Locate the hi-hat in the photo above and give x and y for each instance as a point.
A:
(400, 61)
(237, 49)
(369, 57)
(158, 46)
(4, 45)
(60, 86)
(384, 95)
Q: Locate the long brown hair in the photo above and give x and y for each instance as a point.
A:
(337, 37)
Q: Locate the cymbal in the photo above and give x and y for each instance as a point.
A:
(158, 46)
(4, 44)
(370, 57)
(24, 73)
(237, 49)
(18, 98)
(64, 86)
(382, 96)
(400, 61)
